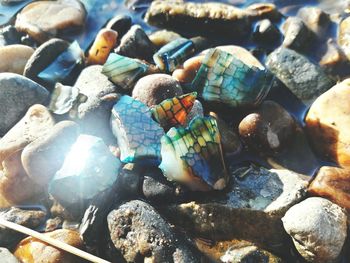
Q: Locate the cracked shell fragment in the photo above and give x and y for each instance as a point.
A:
(223, 78)
(193, 155)
(137, 133)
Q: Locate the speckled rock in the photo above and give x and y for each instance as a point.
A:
(155, 88)
(45, 19)
(318, 229)
(17, 94)
(14, 57)
(140, 233)
(6, 256)
(315, 19)
(297, 35)
(306, 80)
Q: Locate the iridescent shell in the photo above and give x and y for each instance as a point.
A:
(173, 54)
(123, 71)
(193, 155)
(224, 79)
(173, 112)
(137, 133)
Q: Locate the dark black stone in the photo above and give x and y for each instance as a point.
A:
(120, 23)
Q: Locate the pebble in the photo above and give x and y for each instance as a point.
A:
(43, 157)
(344, 36)
(260, 11)
(17, 94)
(14, 58)
(32, 250)
(318, 234)
(120, 23)
(162, 37)
(269, 129)
(328, 123)
(303, 78)
(267, 33)
(136, 44)
(9, 36)
(332, 183)
(46, 19)
(153, 89)
(315, 19)
(105, 41)
(7, 257)
(140, 233)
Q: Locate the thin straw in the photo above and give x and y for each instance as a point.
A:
(51, 241)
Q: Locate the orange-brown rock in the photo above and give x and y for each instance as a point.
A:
(105, 41)
(334, 184)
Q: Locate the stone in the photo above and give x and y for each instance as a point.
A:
(318, 229)
(197, 111)
(35, 124)
(6, 256)
(136, 44)
(269, 129)
(53, 224)
(34, 250)
(332, 183)
(14, 58)
(344, 36)
(28, 218)
(43, 56)
(120, 23)
(153, 89)
(46, 19)
(251, 209)
(9, 36)
(260, 11)
(43, 157)
(327, 124)
(17, 94)
(303, 78)
(162, 37)
(315, 19)
(267, 33)
(140, 233)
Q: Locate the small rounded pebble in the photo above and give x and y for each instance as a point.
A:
(105, 41)
(13, 58)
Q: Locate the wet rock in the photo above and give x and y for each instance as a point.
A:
(332, 183)
(306, 80)
(9, 36)
(136, 44)
(327, 124)
(120, 23)
(269, 129)
(251, 210)
(105, 41)
(28, 218)
(42, 158)
(344, 36)
(7, 257)
(43, 57)
(315, 19)
(318, 229)
(46, 19)
(17, 94)
(297, 35)
(35, 124)
(242, 254)
(33, 250)
(14, 57)
(267, 33)
(155, 88)
(140, 233)
(162, 37)
(199, 18)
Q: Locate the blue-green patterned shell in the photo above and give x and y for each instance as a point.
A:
(224, 79)
(137, 133)
(124, 71)
(173, 54)
(193, 155)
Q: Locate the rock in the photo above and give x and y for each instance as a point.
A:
(327, 124)
(260, 11)
(43, 57)
(53, 224)
(344, 35)
(269, 129)
(331, 183)
(14, 57)
(17, 94)
(46, 19)
(315, 19)
(9, 36)
(28, 218)
(7, 257)
(42, 158)
(251, 210)
(319, 234)
(197, 111)
(306, 80)
(35, 124)
(162, 37)
(120, 23)
(267, 33)
(155, 88)
(136, 44)
(33, 250)
(140, 233)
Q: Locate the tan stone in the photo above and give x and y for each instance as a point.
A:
(328, 124)
(13, 58)
(105, 41)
